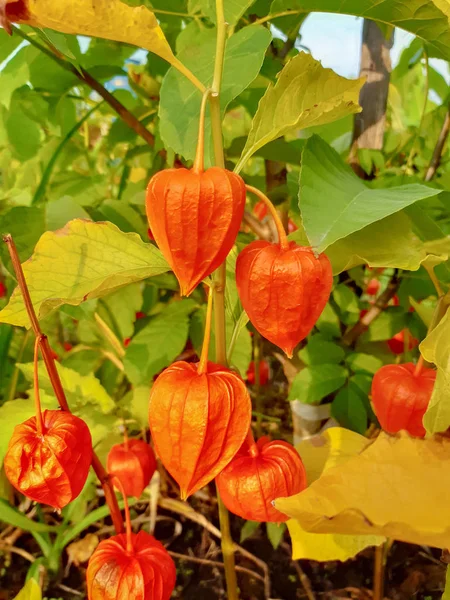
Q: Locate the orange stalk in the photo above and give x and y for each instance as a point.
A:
(284, 243)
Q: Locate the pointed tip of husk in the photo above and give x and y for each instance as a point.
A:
(288, 353)
(184, 494)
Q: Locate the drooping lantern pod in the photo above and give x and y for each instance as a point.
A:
(133, 462)
(400, 396)
(283, 287)
(397, 342)
(195, 215)
(199, 415)
(130, 566)
(258, 474)
(49, 455)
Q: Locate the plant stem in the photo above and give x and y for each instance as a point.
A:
(119, 485)
(419, 366)
(435, 280)
(15, 375)
(437, 153)
(203, 364)
(199, 162)
(219, 284)
(257, 386)
(53, 374)
(109, 335)
(378, 574)
(37, 399)
(282, 237)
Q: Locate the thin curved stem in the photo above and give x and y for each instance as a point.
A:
(203, 364)
(199, 162)
(284, 242)
(419, 366)
(37, 398)
(118, 484)
(284, 13)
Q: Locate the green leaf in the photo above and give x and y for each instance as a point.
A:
(11, 516)
(275, 532)
(119, 309)
(319, 350)
(233, 9)
(8, 43)
(390, 322)
(79, 389)
(390, 242)
(328, 323)
(180, 102)
(30, 591)
(305, 94)
(159, 343)
(85, 260)
(60, 212)
(26, 225)
(125, 217)
(346, 300)
(139, 405)
(349, 410)
(14, 75)
(24, 134)
(248, 529)
(366, 363)
(335, 203)
(436, 349)
(313, 383)
(423, 18)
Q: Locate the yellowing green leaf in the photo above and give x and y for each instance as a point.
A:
(335, 203)
(83, 260)
(31, 591)
(436, 349)
(390, 242)
(305, 94)
(320, 453)
(397, 487)
(108, 19)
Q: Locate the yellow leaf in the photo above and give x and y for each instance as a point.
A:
(31, 591)
(397, 487)
(320, 453)
(83, 260)
(435, 348)
(331, 448)
(109, 19)
(327, 546)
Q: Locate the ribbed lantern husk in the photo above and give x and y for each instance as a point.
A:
(147, 572)
(259, 474)
(51, 468)
(400, 397)
(198, 421)
(133, 462)
(283, 290)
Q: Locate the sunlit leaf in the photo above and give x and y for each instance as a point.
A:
(320, 453)
(233, 9)
(397, 487)
(83, 260)
(335, 203)
(317, 381)
(305, 94)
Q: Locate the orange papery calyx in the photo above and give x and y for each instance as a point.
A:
(49, 455)
(199, 415)
(133, 462)
(130, 566)
(257, 475)
(401, 395)
(195, 215)
(283, 287)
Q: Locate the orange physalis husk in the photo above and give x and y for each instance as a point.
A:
(283, 290)
(198, 421)
(195, 216)
(260, 473)
(143, 572)
(400, 397)
(397, 342)
(133, 463)
(264, 373)
(50, 468)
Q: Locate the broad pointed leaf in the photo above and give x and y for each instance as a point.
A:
(83, 260)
